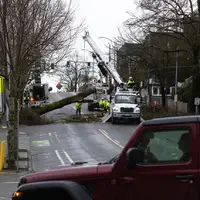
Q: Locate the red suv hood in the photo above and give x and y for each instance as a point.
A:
(69, 172)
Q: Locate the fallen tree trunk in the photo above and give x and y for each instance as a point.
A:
(64, 102)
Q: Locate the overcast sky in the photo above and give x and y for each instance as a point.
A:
(102, 17)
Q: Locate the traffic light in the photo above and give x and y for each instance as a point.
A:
(52, 66)
(68, 63)
(37, 77)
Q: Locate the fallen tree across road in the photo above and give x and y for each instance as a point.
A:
(66, 101)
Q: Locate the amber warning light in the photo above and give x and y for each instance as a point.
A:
(32, 99)
(17, 194)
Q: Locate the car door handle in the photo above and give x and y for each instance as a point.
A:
(185, 178)
(128, 180)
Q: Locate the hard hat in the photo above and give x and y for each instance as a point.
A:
(130, 77)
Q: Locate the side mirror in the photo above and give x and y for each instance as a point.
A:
(133, 157)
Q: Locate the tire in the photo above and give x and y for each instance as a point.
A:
(138, 121)
(113, 120)
(90, 109)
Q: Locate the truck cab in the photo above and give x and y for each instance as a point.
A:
(125, 105)
(160, 161)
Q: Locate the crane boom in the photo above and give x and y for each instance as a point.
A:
(101, 60)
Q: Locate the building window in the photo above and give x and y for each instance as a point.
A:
(155, 91)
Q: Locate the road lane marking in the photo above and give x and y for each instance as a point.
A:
(4, 198)
(41, 143)
(58, 96)
(117, 141)
(106, 134)
(10, 182)
(59, 158)
(68, 157)
(57, 137)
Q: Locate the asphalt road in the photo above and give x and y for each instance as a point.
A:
(8, 184)
(66, 110)
(60, 144)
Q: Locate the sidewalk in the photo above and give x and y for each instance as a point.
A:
(8, 184)
(23, 163)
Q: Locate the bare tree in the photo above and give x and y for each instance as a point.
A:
(29, 30)
(71, 76)
(156, 55)
(179, 17)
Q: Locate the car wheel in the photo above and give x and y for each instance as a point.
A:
(138, 121)
(113, 120)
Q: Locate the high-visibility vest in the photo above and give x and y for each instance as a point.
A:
(78, 105)
(130, 82)
(101, 102)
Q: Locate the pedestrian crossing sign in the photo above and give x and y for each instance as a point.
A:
(59, 86)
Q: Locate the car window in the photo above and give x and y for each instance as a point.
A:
(165, 146)
(130, 99)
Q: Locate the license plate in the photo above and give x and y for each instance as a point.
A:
(126, 116)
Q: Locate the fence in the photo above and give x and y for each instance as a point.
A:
(183, 107)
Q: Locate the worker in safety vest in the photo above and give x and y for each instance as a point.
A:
(107, 106)
(101, 104)
(78, 108)
(131, 83)
(26, 100)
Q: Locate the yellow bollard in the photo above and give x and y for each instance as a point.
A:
(2, 155)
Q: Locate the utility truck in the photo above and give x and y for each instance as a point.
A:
(38, 94)
(128, 110)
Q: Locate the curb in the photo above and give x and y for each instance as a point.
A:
(8, 173)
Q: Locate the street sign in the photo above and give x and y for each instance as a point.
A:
(59, 86)
(175, 98)
(197, 101)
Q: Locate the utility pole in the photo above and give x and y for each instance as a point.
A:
(198, 5)
(176, 84)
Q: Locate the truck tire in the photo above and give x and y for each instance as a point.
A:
(138, 121)
(114, 121)
(90, 108)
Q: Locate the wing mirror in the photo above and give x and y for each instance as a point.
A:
(133, 157)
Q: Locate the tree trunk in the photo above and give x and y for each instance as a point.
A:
(64, 102)
(163, 94)
(12, 137)
(195, 92)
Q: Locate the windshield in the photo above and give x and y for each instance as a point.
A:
(111, 161)
(130, 99)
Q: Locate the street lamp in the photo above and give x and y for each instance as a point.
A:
(110, 49)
